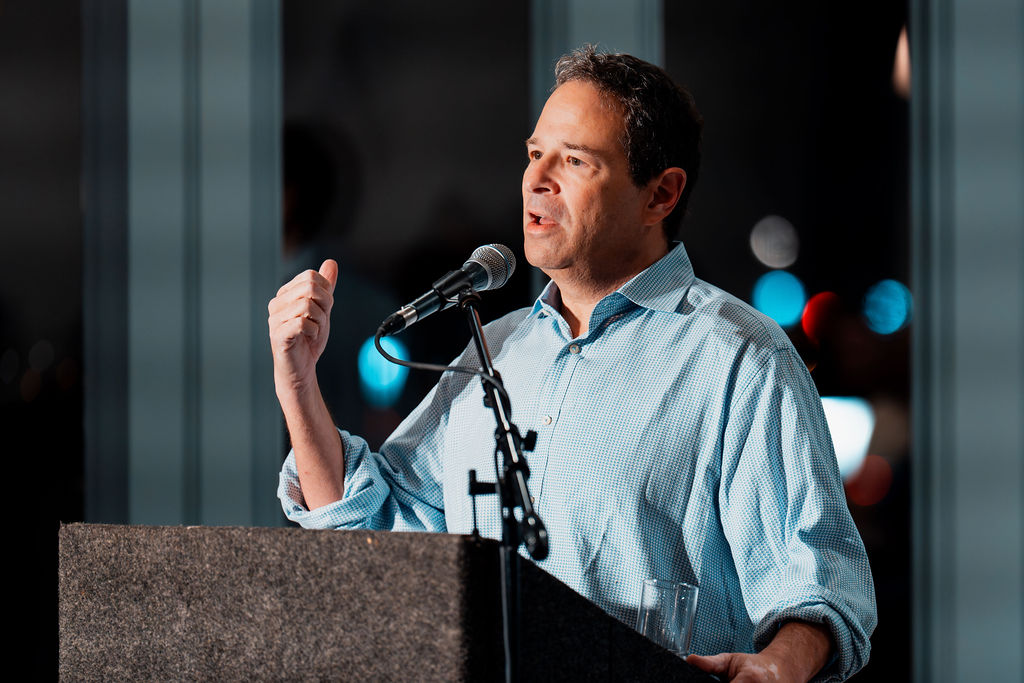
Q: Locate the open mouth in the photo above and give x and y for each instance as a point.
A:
(538, 219)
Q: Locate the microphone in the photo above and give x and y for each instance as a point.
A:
(489, 267)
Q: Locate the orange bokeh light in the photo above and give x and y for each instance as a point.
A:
(871, 482)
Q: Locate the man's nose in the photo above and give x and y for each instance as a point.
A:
(537, 177)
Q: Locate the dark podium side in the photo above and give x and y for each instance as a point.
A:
(259, 603)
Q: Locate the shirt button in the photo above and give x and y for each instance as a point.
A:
(574, 348)
(532, 500)
(546, 419)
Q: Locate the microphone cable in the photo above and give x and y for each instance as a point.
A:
(445, 368)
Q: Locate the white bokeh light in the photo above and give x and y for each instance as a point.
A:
(851, 421)
(774, 242)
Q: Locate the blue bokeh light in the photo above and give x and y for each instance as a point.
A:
(780, 296)
(888, 306)
(381, 380)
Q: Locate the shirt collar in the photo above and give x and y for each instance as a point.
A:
(660, 287)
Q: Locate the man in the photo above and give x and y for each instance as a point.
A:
(679, 435)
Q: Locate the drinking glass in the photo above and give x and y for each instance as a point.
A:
(666, 613)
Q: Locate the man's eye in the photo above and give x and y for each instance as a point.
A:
(534, 155)
(573, 161)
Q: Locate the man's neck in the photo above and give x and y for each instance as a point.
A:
(581, 291)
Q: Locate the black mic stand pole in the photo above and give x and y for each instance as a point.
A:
(512, 491)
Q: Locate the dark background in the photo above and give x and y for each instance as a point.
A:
(407, 121)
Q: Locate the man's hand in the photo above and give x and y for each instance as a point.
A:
(798, 652)
(299, 319)
(741, 668)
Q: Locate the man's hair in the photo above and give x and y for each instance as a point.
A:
(662, 127)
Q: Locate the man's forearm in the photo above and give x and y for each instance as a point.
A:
(319, 456)
(803, 646)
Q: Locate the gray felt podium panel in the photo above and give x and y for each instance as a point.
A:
(200, 603)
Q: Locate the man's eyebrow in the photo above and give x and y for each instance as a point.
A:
(596, 153)
(584, 148)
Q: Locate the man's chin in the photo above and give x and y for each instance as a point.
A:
(546, 251)
(536, 255)
(548, 266)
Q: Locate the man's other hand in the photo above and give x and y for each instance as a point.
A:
(300, 321)
(741, 668)
(798, 652)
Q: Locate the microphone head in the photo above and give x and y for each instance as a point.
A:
(497, 263)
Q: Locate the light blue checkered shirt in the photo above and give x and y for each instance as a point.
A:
(680, 437)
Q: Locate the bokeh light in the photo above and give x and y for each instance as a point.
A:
(821, 311)
(774, 242)
(851, 421)
(780, 296)
(887, 306)
(901, 66)
(30, 386)
(381, 380)
(870, 483)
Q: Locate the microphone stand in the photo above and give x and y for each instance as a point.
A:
(511, 488)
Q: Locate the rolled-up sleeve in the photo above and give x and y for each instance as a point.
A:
(399, 488)
(372, 499)
(797, 552)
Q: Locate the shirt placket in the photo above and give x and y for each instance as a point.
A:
(551, 400)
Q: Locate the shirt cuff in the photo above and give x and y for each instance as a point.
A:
(851, 647)
(351, 511)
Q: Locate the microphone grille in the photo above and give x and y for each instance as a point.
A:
(498, 261)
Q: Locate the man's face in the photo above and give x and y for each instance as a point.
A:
(582, 213)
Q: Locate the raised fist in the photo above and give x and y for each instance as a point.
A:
(300, 322)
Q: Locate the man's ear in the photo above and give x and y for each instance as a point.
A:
(664, 191)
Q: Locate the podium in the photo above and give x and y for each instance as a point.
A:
(172, 603)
